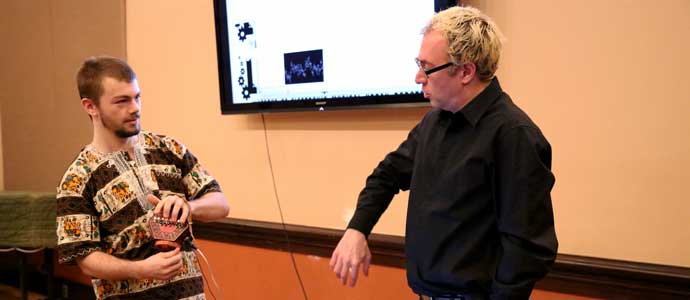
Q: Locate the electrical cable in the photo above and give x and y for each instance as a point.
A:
(280, 210)
(213, 278)
(188, 245)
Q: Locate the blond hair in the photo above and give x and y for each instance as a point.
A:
(472, 38)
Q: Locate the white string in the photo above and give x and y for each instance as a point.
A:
(213, 277)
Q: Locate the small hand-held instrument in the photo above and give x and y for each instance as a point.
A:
(168, 234)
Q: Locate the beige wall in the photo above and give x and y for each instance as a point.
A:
(43, 44)
(606, 81)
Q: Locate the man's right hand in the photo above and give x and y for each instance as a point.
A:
(351, 252)
(170, 207)
(162, 266)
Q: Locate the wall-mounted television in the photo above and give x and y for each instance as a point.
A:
(301, 55)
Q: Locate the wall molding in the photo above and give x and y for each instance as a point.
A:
(572, 274)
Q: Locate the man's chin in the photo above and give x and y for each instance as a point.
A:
(127, 133)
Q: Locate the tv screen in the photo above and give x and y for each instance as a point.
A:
(319, 55)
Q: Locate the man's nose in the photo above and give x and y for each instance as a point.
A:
(134, 107)
(420, 77)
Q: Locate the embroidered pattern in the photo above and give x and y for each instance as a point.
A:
(77, 228)
(174, 146)
(74, 180)
(113, 197)
(196, 179)
(132, 237)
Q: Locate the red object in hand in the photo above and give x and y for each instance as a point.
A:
(168, 234)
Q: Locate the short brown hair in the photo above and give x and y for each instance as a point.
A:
(95, 69)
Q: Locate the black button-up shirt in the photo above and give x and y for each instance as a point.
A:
(479, 218)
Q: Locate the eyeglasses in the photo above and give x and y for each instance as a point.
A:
(428, 72)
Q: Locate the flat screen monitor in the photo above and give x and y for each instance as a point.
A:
(319, 55)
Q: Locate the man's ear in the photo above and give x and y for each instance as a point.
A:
(89, 106)
(467, 72)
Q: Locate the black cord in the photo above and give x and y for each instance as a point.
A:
(280, 209)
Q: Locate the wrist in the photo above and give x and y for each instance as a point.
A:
(354, 230)
(193, 206)
(355, 233)
(136, 269)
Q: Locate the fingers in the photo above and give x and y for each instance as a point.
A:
(367, 261)
(344, 268)
(173, 263)
(176, 206)
(341, 268)
(171, 207)
(155, 202)
(171, 253)
(336, 268)
(153, 199)
(351, 252)
(335, 263)
(334, 257)
(185, 212)
(168, 272)
(164, 265)
(167, 205)
(354, 271)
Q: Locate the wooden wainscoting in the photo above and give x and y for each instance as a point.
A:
(571, 274)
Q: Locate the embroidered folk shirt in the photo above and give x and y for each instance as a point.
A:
(102, 206)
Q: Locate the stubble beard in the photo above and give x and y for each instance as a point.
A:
(119, 131)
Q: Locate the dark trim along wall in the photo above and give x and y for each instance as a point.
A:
(572, 274)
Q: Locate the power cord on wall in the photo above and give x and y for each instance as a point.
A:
(280, 210)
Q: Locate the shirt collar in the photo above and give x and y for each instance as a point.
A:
(475, 109)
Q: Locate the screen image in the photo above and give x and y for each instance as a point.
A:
(319, 55)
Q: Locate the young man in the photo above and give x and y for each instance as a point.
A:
(480, 221)
(120, 180)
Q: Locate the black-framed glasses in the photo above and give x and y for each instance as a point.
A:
(428, 72)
